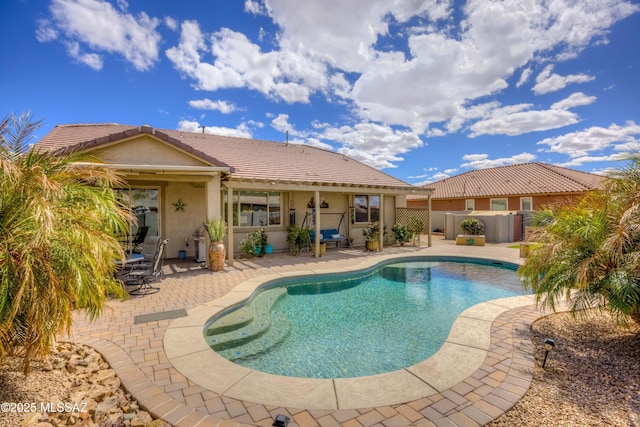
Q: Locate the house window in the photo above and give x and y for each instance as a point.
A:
(526, 204)
(498, 204)
(256, 208)
(367, 208)
(470, 204)
(143, 203)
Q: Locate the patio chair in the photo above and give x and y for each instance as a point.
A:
(143, 277)
(139, 238)
(149, 247)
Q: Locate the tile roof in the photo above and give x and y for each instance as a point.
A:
(248, 159)
(521, 179)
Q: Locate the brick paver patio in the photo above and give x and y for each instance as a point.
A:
(136, 352)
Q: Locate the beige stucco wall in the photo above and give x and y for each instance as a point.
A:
(180, 225)
(146, 150)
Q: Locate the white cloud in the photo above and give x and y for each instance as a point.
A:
(241, 131)
(524, 77)
(581, 143)
(171, 23)
(239, 63)
(482, 161)
(254, 7)
(377, 145)
(45, 31)
(207, 104)
(100, 27)
(343, 33)
(504, 122)
(577, 99)
(90, 59)
(547, 81)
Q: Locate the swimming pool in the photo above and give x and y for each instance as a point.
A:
(358, 324)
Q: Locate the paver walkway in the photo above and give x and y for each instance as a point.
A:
(136, 352)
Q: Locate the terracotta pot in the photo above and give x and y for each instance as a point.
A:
(217, 254)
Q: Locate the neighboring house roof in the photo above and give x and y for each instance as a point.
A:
(248, 159)
(512, 180)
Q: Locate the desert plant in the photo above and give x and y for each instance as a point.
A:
(371, 232)
(58, 223)
(588, 251)
(217, 228)
(472, 226)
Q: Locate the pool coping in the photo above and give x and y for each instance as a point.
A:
(464, 351)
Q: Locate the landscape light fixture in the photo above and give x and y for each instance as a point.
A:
(281, 421)
(549, 344)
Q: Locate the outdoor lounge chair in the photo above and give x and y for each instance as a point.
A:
(149, 247)
(143, 277)
(139, 238)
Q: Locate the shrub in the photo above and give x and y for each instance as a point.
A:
(472, 226)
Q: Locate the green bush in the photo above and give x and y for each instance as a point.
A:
(472, 226)
(402, 233)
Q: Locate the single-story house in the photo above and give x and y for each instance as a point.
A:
(176, 180)
(513, 189)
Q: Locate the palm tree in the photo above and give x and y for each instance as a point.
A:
(590, 250)
(57, 246)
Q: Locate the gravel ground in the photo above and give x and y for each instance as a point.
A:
(592, 378)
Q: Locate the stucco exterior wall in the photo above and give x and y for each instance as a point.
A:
(146, 150)
(181, 225)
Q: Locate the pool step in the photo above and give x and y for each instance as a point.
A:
(234, 320)
(246, 324)
(279, 330)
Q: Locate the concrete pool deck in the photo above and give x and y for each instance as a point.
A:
(485, 367)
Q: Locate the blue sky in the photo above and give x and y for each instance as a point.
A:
(419, 89)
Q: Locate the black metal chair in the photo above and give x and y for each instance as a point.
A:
(143, 277)
(139, 237)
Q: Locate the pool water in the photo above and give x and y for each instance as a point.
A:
(343, 326)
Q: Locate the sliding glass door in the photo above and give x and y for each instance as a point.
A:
(143, 203)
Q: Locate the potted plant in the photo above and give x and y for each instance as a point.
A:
(293, 234)
(372, 236)
(248, 245)
(402, 233)
(472, 226)
(262, 244)
(298, 238)
(256, 243)
(474, 233)
(217, 229)
(416, 227)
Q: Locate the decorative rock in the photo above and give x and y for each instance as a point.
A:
(141, 419)
(107, 405)
(104, 375)
(98, 392)
(114, 420)
(31, 419)
(157, 423)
